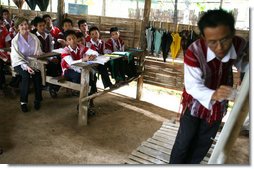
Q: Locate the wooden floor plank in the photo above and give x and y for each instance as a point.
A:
(129, 161)
(166, 127)
(164, 140)
(168, 145)
(167, 133)
(164, 136)
(139, 160)
(156, 154)
(147, 157)
(156, 147)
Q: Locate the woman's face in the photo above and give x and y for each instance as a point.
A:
(23, 27)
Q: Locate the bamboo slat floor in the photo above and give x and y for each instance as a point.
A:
(157, 150)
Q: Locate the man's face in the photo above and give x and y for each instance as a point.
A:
(115, 35)
(67, 26)
(72, 41)
(41, 27)
(83, 27)
(94, 35)
(218, 39)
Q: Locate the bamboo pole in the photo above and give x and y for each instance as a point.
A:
(233, 125)
(145, 23)
(60, 12)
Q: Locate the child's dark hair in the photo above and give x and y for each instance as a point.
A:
(113, 29)
(214, 18)
(81, 22)
(79, 35)
(94, 28)
(4, 10)
(37, 20)
(67, 20)
(46, 16)
(68, 33)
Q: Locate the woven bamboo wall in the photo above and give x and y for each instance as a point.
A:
(130, 29)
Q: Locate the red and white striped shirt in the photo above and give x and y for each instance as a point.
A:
(203, 74)
(69, 55)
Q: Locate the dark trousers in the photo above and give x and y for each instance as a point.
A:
(2, 76)
(193, 139)
(25, 82)
(74, 77)
(103, 71)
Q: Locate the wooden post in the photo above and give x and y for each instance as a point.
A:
(50, 2)
(104, 8)
(60, 12)
(83, 104)
(175, 15)
(140, 80)
(145, 23)
(221, 2)
(233, 125)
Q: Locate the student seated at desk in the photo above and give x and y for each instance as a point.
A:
(99, 45)
(53, 67)
(26, 44)
(119, 67)
(74, 52)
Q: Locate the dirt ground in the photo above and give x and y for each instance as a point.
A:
(51, 135)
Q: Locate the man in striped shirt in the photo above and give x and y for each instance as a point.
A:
(208, 79)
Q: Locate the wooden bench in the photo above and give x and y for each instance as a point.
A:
(157, 150)
(83, 87)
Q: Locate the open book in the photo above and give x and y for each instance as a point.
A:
(101, 59)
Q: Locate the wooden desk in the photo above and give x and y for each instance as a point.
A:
(83, 87)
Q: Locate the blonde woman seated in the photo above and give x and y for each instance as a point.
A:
(23, 45)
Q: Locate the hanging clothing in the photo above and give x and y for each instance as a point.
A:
(175, 45)
(157, 42)
(188, 36)
(166, 41)
(149, 36)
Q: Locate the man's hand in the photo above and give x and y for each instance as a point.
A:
(222, 93)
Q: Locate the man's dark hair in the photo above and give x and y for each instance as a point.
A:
(67, 20)
(37, 20)
(214, 18)
(69, 32)
(79, 35)
(113, 29)
(94, 28)
(46, 16)
(81, 22)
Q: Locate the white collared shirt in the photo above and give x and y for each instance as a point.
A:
(194, 84)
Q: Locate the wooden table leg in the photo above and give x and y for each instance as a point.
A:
(139, 87)
(83, 105)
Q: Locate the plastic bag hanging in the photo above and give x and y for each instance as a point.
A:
(175, 45)
(43, 4)
(19, 3)
(31, 4)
